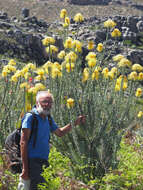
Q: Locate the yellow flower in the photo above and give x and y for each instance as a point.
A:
(56, 72)
(12, 62)
(48, 40)
(90, 55)
(95, 74)
(78, 17)
(4, 73)
(51, 49)
(77, 45)
(24, 70)
(27, 75)
(40, 86)
(32, 90)
(114, 70)
(117, 87)
(140, 77)
(118, 57)
(40, 77)
(90, 45)
(100, 47)
(71, 57)
(70, 103)
(85, 75)
(133, 76)
(57, 65)
(109, 24)
(40, 71)
(124, 63)
(92, 62)
(24, 85)
(111, 75)
(69, 67)
(31, 66)
(138, 92)
(14, 78)
(125, 85)
(63, 13)
(116, 33)
(68, 43)
(105, 72)
(67, 21)
(62, 54)
(137, 67)
(140, 114)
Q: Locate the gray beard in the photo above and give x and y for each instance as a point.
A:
(42, 111)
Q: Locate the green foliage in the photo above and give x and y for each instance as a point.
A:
(129, 174)
(58, 175)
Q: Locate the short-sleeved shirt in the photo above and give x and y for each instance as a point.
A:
(41, 149)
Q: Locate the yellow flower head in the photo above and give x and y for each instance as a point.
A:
(40, 86)
(95, 74)
(138, 92)
(4, 73)
(14, 79)
(114, 70)
(12, 62)
(78, 17)
(61, 54)
(140, 77)
(51, 49)
(31, 66)
(71, 57)
(91, 55)
(140, 114)
(56, 72)
(48, 40)
(40, 71)
(133, 76)
(100, 47)
(63, 13)
(32, 90)
(105, 72)
(77, 45)
(67, 21)
(57, 65)
(92, 62)
(124, 63)
(24, 85)
(90, 45)
(68, 43)
(70, 67)
(118, 57)
(85, 75)
(70, 103)
(116, 33)
(137, 67)
(109, 23)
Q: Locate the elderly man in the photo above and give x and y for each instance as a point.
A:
(33, 158)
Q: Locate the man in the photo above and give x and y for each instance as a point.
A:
(33, 158)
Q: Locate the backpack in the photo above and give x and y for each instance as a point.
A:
(12, 145)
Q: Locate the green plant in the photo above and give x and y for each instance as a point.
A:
(129, 173)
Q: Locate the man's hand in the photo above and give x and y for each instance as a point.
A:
(80, 120)
(24, 175)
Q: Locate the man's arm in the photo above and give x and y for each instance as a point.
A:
(64, 130)
(24, 152)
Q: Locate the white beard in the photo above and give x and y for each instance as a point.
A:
(42, 111)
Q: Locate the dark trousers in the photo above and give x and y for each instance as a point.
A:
(35, 170)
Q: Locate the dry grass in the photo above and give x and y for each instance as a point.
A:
(49, 9)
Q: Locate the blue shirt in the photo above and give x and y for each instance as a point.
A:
(41, 149)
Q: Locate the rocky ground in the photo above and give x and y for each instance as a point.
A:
(49, 9)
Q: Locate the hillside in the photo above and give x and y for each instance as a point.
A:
(49, 9)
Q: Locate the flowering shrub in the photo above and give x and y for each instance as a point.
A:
(107, 96)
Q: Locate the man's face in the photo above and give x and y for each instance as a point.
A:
(44, 104)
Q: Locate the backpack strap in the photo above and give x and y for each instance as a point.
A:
(34, 128)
